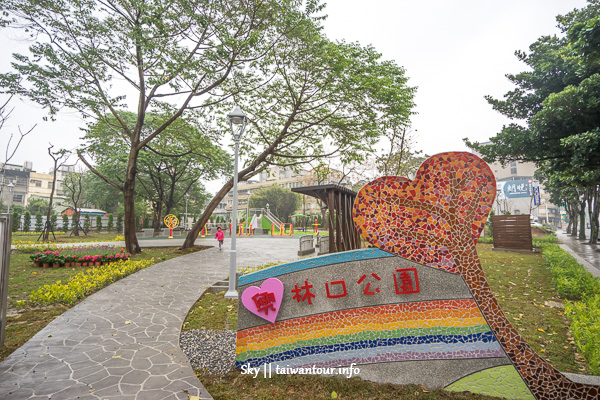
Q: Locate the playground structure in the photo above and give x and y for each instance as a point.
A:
(172, 222)
(282, 229)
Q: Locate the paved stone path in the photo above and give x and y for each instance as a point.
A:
(586, 254)
(123, 341)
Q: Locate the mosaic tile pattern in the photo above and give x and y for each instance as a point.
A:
(501, 381)
(395, 332)
(438, 333)
(435, 220)
(337, 258)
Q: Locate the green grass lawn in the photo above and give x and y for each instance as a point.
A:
(25, 320)
(520, 282)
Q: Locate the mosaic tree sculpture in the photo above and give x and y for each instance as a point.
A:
(436, 220)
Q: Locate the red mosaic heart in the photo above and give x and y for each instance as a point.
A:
(434, 218)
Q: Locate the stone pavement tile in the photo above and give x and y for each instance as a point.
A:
(135, 377)
(72, 392)
(19, 394)
(127, 389)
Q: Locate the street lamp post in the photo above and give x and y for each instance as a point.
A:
(10, 189)
(239, 119)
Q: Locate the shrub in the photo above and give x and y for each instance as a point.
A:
(15, 221)
(65, 226)
(585, 328)
(486, 240)
(86, 223)
(74, 220)
(98, 223)
(571, 279)
(85, 283)
(119, 224)
(574, 282)
(26, 222)
(109, 224)
(53, 219)
(39, 224)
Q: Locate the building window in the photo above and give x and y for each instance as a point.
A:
(513, 168)
(17, 198)
(49, 185)
(36, 182)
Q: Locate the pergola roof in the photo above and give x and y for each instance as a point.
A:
(343, 235)
(319, 191)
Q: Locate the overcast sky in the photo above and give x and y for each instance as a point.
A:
(455, 52)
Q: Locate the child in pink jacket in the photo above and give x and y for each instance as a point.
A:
(220, 236)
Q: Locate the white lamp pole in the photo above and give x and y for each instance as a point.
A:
(236, 117)
(10, 189)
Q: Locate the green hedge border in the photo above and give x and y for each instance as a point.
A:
(574, 282)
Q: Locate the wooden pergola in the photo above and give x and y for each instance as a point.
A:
(343, 234)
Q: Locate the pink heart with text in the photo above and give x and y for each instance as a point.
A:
(265, 300)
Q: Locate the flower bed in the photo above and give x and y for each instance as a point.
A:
(85, 283)
(79, 256)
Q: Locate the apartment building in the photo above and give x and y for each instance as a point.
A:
(516, 192)
(27, 183)
(284, 177)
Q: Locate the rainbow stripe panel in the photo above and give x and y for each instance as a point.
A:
(425, 330)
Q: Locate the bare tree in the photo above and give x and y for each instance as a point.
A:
(73, 184)
(59, 157)
(5, 112)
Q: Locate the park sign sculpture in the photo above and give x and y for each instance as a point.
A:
(417, 309)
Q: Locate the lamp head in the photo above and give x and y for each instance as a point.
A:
(237, 117)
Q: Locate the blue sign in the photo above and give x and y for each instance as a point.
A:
(519, 188)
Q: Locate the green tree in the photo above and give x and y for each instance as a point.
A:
(53, 220)
(282, 201)
(15, 222)
(17, 208)
(331, 99)
(86, 223)
(557, 100)
(26, 222)
(75, 223)
(109, 224)
(119, 224)
(164, 177)
(65, 224)
(98, 223)
(36, 205)
(39, 223)
(184, 55)
(74, 189)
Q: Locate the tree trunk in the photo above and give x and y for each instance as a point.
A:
(157, 223)
(594, 213)
(76, 227)
(129, 224)
(575, 217)
(582, 220)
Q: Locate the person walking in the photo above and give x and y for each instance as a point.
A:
(220, 236)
